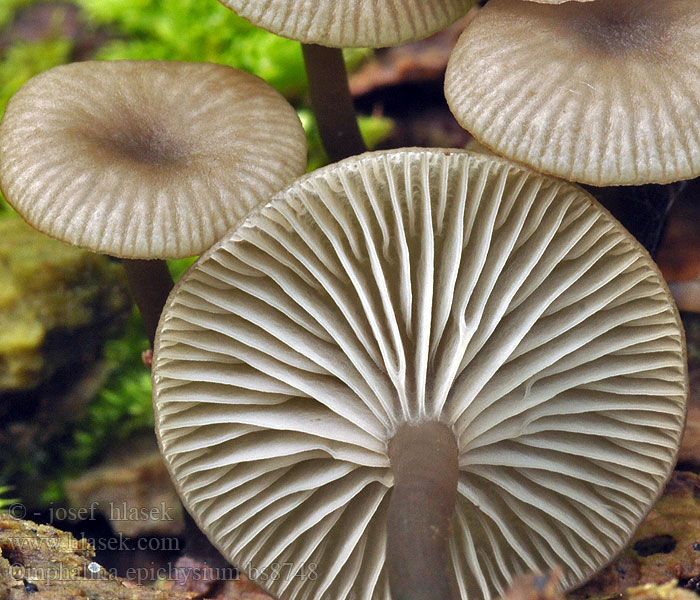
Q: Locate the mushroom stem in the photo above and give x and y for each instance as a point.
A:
(332, 101)
(424, 459)
(150, 283)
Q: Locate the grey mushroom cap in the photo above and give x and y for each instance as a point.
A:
(146, 159)
(349, 23)
(604, 92)
(411, 286)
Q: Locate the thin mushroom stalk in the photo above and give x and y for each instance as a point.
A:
(424, 459)
(332, 102)
(150, 282)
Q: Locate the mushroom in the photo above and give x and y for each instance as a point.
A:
(434, 352)
(600, 92)
(145, 160)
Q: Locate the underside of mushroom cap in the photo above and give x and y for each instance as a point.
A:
(146, 159)
(349, 23)
(605, 93)
(412, 286)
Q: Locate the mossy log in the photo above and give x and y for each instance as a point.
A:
(52, 565)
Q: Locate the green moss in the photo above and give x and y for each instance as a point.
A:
(5, 208)
(8, 9)
(179, 266)
(196, 30)
(26, 59)
(121, 408)
(49, 289)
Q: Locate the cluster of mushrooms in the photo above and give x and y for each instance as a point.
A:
(413, 373)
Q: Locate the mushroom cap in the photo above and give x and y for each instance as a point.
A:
(146, 159)
(605, 93)
(349, 23)
(407, 286)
